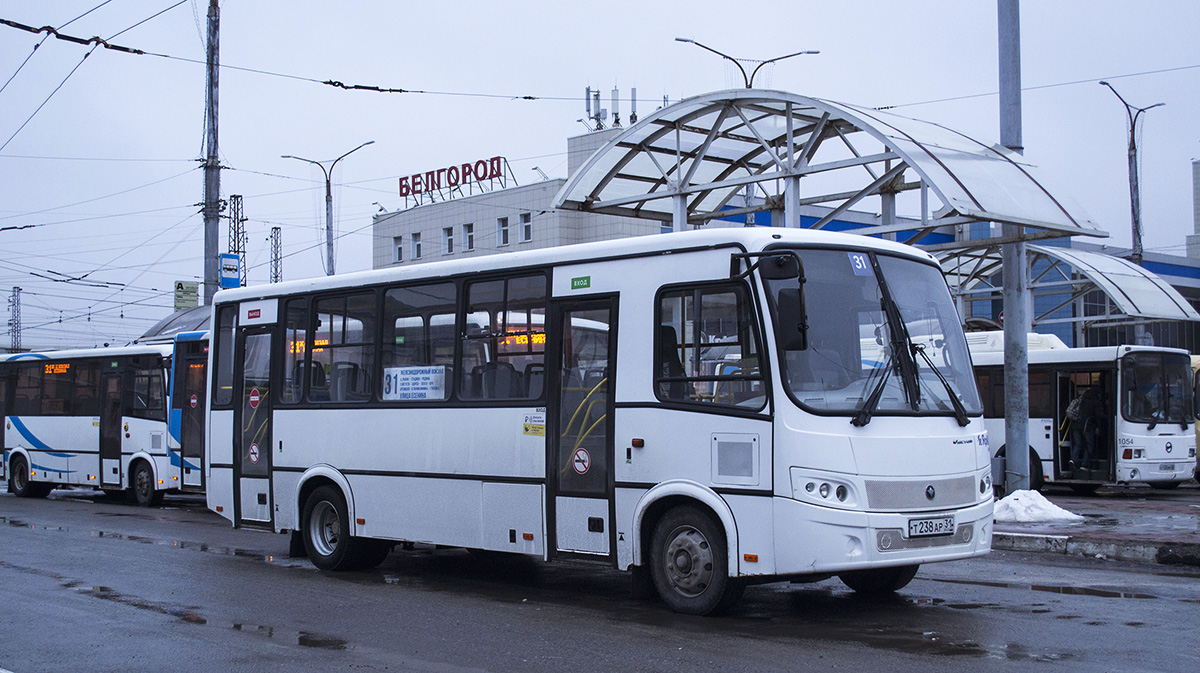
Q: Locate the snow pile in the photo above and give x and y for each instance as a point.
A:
(1032, 507)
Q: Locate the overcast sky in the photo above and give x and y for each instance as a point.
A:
(108, 169)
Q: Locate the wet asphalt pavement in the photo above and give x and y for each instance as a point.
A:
(94, 585)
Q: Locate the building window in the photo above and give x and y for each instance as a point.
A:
(447, 240)
(526, 227)
(416, 246)
(398, 244)
(501, 231)
(468, 237)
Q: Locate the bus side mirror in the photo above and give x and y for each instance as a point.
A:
(793, 323)
(779, 267)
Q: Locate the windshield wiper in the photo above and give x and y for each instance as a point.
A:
(863, 416)
(960, 412)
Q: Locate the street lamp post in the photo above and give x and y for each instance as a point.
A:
(1135, 205)
(748, 79)
(328, 200)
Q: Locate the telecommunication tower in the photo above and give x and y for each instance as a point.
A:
(14, 307)
(237, 234)
(276, 254)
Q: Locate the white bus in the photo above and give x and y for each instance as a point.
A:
(1146, 433)
(694, 407)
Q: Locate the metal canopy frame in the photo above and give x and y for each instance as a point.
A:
(1117, 291)
(691, 162)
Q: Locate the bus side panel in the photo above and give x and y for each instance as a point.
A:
(218, 464)
(420, 463)
(62, 449)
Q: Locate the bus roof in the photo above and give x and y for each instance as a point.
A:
(1091, 354)
(749, 238)
(81, 353)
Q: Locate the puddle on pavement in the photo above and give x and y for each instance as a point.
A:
(1054, 589)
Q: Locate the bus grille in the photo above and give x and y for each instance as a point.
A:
(914, 494)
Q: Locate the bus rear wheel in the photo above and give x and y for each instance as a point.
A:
(878, 581)
(689, 563)
(326, 529)
(22, 486)
(142, 486)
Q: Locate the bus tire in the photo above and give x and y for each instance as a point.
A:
(326, 529)
(1164, 485)
(1037, 478)
(21, 484)
(689, 563)
(142, 486)
(879, 581)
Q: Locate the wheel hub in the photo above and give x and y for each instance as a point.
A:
(689, 561)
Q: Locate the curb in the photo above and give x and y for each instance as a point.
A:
(1163, 553)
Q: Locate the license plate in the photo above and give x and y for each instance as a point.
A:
(942, 525)
(1166, 467)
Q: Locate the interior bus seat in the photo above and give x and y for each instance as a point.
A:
(672, 366)
(318, 385)
(344, 382)
(535, 380)
(500, 381)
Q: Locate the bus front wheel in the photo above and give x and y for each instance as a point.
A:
(326, 528)
(142, 486)
(689, 563)
(879, 581)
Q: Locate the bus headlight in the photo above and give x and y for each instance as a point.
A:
(823, 489)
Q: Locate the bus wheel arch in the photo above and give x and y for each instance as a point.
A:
(326, 532)
(656, 502)
(19, 481)
(687, 546)
(142, 480)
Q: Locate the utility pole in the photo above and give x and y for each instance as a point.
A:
(14, 323)
(1014, 264)
(276, 254)
(237, 234)
(212, 162)
(1135, 192)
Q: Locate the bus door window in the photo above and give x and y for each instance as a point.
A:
(504, 339)
(223, 342)
(584, 386)
(256, 403)
(111, 407)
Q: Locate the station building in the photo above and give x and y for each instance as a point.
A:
(1084, 292)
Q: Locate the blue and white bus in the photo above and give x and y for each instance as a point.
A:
(695, 407)
(115, 419)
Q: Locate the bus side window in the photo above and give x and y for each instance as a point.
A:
(345, 333)
(295, 357)
(28, 391)
(707, 347)
(417, 353)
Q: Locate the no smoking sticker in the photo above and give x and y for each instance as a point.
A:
(254, 453)
(581, 461)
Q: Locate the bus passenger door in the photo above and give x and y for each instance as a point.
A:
(110, 430)
(191, 363)
(252, 429)
(581, 444)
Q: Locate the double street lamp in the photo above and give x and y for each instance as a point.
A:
(1135, 204)
(748, 79)
(328, 200)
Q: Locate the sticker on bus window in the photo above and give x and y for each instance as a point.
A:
(860, 263)
(414, 383)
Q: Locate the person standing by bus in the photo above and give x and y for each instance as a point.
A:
(1086, 418)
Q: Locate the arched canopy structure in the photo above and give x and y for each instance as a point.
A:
(732, 152)
(1071, 286)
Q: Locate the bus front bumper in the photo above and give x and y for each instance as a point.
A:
(814, 539)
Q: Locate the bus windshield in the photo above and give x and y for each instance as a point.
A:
(1156, 388)
(883, 338)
